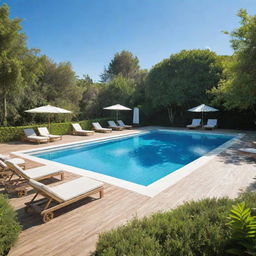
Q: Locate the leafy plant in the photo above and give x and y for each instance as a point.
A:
(243, 230)
(9, 226)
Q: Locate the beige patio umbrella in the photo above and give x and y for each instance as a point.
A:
(117, 108)
(48, 109)
(203, 108)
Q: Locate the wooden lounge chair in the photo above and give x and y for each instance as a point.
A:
(251, 152)
(30, 135)
(61, 195)
(97, 127)
(77, 130)
(20, 183)
(122, 124)
(211, 124)
(6, 172)
(113, 126)
(43, 131)
(195, 124)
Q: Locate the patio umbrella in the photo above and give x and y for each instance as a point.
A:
(117, 108)
(203, 108)
(48, 109)
(136, 116)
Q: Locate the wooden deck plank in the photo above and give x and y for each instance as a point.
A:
(75, 230)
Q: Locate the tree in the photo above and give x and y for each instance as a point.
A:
(237, 89)
(123, 63)
(118, 90)
(12, 49)
(183, 80)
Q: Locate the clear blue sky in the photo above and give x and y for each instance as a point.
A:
(89, 32)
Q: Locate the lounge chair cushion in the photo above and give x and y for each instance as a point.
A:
(122, 124)
(77, 127)
(4, 157)
(97, 126)
(17, 161)
(37, 138)
(34, 173)
(39, 172)
(248, 150)
(70, 189)
(75, 188)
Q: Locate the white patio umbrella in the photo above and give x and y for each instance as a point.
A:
(117, 108)
(48, 109)
(203, 108)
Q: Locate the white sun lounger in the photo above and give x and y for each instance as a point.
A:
(195, 124)
(97, 127)
(211, 124)
(122, 124)
(31, 136)
(248, 151)
(39, 173)
(77, 130)
(113, 126)
(61, 195)
(5, 172)
(43, 131)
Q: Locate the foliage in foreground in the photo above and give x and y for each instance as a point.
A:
(9, 226)
(195, 228)
(243, 230)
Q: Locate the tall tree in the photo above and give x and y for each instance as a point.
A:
(123, 63)
(12, 49)
(238, 87)
(183, 80)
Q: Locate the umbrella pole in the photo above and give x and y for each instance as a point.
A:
(202, 118)
(49, 122)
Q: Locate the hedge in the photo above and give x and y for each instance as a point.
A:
(195, 228)
(9, 226)
(16, 133)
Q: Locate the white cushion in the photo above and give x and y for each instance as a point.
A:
(39, 172)
(75, 188)
(17, 161)
(36, 137)
(248, 150)
(4, 157)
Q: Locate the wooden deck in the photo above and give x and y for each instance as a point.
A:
(75, 229)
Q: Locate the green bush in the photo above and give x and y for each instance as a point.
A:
(16, 133)
(9, 226)
(193, 229)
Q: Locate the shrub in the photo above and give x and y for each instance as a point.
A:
(9, 226)
(195, 228)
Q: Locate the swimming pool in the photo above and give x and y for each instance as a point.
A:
(142, 159)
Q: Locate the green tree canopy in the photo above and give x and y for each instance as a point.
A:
(183, 79)
(123, 63)
(238, 87)
(12, 48)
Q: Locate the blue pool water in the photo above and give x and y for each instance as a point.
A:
(141, 159)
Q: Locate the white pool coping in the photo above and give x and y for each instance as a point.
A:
(150, 190)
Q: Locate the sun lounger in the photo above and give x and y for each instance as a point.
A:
(97, 127)
(122, 124)
(195, 124)
(113, 126)
(77, 130)
(39, 173)
(211, 124)
(6, 172)
(30, 135)
(43, 131)
(248, 151)
(61, 195)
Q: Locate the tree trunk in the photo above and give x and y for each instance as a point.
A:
(171, 114)
(4, 121)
